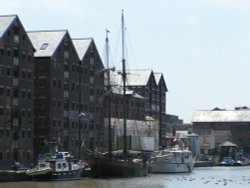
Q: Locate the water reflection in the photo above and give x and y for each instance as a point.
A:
(86, 183)
(216, 177)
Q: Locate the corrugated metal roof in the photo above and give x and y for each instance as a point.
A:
(5, 22)
(134, 77)
(39, 40)
(221, 116)
(81, 46)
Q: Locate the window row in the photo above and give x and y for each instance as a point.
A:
(21, 134)
(25, 94)
(78, 68)
(8, 156)
(15, 72)
(23, 113)
(72, 124)
(15, 53)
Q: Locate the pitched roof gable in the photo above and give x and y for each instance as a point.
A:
(134, 77)
(138, 77)
(81, 46)
(5, 23)
(227, 144)
(158, 78)
(46, 42)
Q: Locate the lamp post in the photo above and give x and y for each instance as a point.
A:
(79, 134)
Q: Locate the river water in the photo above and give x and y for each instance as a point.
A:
(202, 177)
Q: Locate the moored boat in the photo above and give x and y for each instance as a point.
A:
(227, 161)
(118, 166)
(59, 166)
(172, 160)
(12, 176)
(17, 173)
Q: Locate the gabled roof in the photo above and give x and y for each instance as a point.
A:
(5, 22)
(158, 77)
(221, 116)
(134, 77)
(46, 42)
(81, 46)
(227, 144)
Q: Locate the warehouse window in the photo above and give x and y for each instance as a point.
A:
(1, 90)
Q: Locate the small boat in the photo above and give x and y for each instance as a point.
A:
(59, 166)
(13, 176)
(241, 160)
(17, 166)
(17, 173)
(172, 160)
(227, 161)
(239, 163)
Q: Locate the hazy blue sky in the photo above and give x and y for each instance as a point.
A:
(201, 46)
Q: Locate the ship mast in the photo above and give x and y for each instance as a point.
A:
(124, 90)
(108, 97)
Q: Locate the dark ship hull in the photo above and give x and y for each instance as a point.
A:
(110, 167)
(11, 176)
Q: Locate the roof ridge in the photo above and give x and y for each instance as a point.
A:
(10, 15)
(140, 69)
(158, 73)
(54, 30)
(84, 38)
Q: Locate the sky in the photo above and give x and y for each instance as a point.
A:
(202, 47)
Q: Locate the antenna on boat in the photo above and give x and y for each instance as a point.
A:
(124, 90)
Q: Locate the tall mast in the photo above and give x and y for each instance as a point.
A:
(124, 91)
(108, 97)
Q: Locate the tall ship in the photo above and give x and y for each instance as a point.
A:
(123, 163)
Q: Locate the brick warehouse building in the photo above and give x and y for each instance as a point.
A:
(218, 125)
(161, 101)
(92, 84)
(16, 92)
(55, 92)
(46, 80)
(152, 87)
(66, 85)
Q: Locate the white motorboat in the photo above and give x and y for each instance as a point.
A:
(172, 160)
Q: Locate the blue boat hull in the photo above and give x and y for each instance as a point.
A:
(62, 175)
